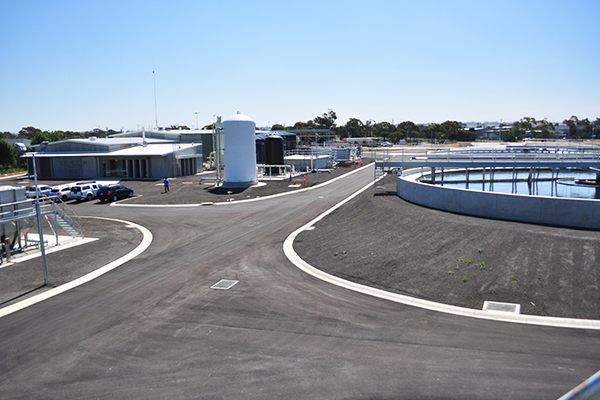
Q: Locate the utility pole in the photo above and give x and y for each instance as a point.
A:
(39, 223)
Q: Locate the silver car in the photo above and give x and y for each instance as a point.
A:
(85, 191)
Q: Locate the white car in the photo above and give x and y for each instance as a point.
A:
(62, 192)
(43, 190)
(86, 190)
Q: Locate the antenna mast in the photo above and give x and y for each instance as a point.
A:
(155, 109)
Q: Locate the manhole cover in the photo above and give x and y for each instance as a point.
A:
(504, 307)
(224, 284)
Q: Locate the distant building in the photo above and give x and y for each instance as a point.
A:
(133, 155)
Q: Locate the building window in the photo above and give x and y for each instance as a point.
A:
(117, 168)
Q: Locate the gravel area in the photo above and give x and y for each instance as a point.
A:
(380, 240)
(388, 243)
(24, 279)
(188, 190)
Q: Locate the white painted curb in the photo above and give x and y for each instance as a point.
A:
(288, 249)
(146, 241)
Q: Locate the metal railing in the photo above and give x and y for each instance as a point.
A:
(267, 170)
(584, 156)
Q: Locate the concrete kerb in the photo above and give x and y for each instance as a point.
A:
(146, 241)
(224, 203)
(288, 249)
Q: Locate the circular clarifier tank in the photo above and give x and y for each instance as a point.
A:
(239, 151)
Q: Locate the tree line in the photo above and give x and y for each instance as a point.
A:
(407, 130)
(526, 127)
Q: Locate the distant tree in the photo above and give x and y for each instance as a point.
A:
(435, 132)
(354, 127)
(7, 135)
(596, 128)
(28, 132)
(55, 136)
(524, 128)
(73, 135)
(325, 121)
(455, 131)
(545, 130)
(409, 129)
(176, 128)
(303, 125)
(572, 123)
(40, 137)
(396, 136)
(278, 127)
(383, 129)
(8, 155)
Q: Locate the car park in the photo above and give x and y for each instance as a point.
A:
(85, 190)
(62, 192)
(43, 190)
(114, 192)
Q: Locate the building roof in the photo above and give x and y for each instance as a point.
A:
(136, 150)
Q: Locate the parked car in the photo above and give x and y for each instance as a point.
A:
(114, 193)
(43, 190)
(62, 192)
(85, 191)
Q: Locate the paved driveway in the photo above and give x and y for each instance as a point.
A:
(153, 328)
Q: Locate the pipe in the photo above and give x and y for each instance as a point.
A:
(585, 390)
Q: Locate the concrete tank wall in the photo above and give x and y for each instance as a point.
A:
(558, 211)
(239, 147)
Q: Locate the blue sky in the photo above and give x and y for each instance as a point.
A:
(79, 65)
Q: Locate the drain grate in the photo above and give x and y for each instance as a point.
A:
(224, 284)
(504, 307)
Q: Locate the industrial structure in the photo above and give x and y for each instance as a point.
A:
(134, 155)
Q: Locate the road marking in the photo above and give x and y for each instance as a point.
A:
(146, 241)
(288, 249)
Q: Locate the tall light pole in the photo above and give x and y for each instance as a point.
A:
(196, 120)
(39, 222)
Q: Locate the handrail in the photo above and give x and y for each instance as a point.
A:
(585, 390)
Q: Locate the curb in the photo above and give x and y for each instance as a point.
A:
(288, 249)
(146, 241)
(223, 203)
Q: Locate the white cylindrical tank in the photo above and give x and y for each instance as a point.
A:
(239, 148)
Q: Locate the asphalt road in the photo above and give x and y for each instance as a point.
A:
(153, 328)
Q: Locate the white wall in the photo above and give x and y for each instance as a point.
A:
(576, 213)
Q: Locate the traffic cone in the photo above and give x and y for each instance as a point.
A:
(361, 163)
(304, 180)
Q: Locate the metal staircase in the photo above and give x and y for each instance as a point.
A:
(381, 170)
(57, 213)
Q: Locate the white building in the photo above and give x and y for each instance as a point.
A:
(131, 155)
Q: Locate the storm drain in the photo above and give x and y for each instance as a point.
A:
(504, 307)
(224, 284)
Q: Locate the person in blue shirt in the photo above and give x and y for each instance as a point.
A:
(166, 182)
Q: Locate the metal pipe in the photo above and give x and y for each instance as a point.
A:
(585, 390)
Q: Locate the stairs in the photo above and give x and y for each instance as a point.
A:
(381, 170)
(58, 214)
(67, 226)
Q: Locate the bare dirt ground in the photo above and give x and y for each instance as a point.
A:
(24, 279)
(188, 190)
(385, 242)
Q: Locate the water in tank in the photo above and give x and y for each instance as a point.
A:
(274, 152)
(239, 150)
